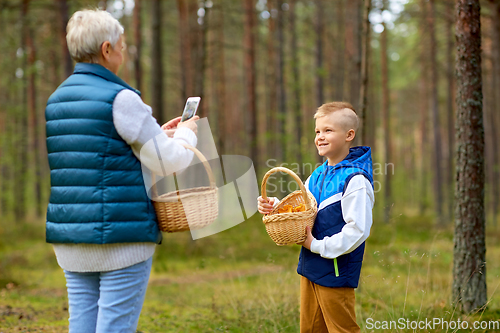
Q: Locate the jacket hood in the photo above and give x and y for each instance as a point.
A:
(358, 157)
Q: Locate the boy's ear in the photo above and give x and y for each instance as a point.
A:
(350, 135)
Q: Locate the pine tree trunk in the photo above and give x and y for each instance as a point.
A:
(185, 53)
(438, 156)
(363, 90)
(296, 82)
(33, 121)
(494, 118)
(221, 85)
(386, 123)
(3, 150)
(271, 80)
(338, 75)
(22, 128)
(249, 64)
(280, 122)
(353, 49)
(424, 109)
(469, 264)
(138, 44)
(157, 63)
(319, 53)
(201, 64)
(63, 21)
(489, 133)
(319, 58)
(371, 116)
(450, 42)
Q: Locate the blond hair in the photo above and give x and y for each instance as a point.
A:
(87, 30)
(349, 119)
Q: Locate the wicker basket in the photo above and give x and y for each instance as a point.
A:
(200, 204)
(289, 228)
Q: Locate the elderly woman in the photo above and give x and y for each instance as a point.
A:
(99, 219)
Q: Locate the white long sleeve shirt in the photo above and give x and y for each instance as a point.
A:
(135, 124)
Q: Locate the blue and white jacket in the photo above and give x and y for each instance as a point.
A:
(328, 184)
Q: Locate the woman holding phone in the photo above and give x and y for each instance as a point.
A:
(99, 219)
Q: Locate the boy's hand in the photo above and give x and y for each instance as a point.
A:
(265, 206)
(309, 239)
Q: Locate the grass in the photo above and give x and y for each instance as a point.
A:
(239, 281)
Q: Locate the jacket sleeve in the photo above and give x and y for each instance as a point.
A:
(357, 204)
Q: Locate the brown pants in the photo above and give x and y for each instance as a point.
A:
(328, 310)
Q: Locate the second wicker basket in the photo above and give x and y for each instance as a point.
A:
(289, 228)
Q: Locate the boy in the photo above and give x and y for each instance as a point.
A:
(331, 256)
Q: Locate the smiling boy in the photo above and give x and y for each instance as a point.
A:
(331, 256)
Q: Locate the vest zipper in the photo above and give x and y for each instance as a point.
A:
(336, 267)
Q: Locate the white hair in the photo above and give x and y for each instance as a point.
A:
(87, 30)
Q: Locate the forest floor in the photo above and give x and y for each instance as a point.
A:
(239, 281)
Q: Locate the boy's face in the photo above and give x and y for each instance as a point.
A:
(332, 139)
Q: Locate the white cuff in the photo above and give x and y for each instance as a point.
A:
(315, 246)
(187, 135)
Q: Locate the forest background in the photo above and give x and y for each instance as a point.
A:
(262, 68)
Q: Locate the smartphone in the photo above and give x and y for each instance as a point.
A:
(192, 104)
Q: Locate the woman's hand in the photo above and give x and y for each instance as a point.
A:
(170, 126)
(191, 124)
(265, 206)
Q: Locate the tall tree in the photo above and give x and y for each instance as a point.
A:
(365, 50)
(271, 82)
(185, 47)
(33, 118)
(249, 64)
(469, 261)
(63, 21)
(157, 63)
(281, 92)
(493, 117)
(386, 123)
(424, 106)
(296, 81)
(137, 22)
(437, 151)
(22, 124)
(201, 59)
(337, 75)
(450, 43)
(353, 48)
(319, 58)
(320, 27)
(220, 85)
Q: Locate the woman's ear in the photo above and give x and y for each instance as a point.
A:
(105, 50)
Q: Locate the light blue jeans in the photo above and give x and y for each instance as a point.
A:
(107, 302)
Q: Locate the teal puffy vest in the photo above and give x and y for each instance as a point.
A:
(97, 189)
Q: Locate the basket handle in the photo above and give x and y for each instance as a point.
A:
(294, 176)
(202, 158)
